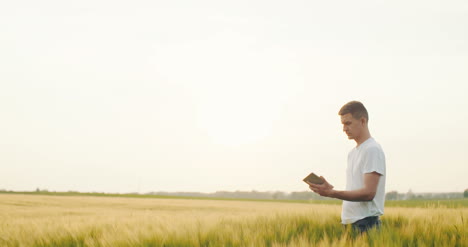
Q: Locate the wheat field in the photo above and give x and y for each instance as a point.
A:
(40, 220)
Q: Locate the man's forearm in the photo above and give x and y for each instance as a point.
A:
(361, 195)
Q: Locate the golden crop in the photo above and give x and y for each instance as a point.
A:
(38, 220)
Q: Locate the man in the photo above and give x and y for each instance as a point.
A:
(363, 199)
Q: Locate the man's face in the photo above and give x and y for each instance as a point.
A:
(351, 126)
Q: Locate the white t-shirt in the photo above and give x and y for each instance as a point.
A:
(366, 158)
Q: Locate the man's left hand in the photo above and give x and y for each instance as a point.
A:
(325, 189)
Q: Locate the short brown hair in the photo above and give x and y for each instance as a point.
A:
(356, 109)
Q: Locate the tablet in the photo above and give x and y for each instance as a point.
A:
(314, 179)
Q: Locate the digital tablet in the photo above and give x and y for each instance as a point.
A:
(313, 179)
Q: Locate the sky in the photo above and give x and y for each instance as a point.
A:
(204, 96)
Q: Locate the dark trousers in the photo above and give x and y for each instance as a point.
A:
(367, 223)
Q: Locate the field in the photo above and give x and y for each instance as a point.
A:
(48, 220)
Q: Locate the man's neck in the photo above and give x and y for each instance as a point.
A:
(362, 139)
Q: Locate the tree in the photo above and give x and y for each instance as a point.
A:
(392, 195)
(465, 194)
(410, 195)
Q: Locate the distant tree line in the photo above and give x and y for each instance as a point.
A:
(267, 195)
(410, 195)
(280, 195)
(308, 195)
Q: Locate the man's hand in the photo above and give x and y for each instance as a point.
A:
(366, 193)
(325, 189)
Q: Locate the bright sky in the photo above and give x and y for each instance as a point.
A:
(127, 96)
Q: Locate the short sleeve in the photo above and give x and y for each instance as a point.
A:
(374, 161)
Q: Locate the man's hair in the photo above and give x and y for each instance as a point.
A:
(356, 109)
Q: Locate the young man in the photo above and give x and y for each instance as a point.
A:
(363, 199)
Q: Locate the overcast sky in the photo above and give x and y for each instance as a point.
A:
(125, 96)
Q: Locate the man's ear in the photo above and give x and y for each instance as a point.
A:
(363, 121)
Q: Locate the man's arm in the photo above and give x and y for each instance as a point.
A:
(367, 193)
